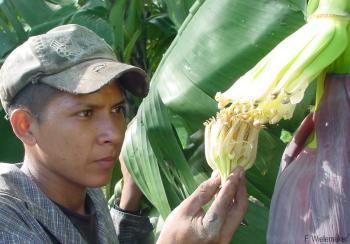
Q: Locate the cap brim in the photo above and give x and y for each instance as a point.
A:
(92, 75)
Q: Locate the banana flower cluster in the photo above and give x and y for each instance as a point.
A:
(270, 91)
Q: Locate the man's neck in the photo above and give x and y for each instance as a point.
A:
(56, 188)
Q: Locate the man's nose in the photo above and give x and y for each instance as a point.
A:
(110, 131)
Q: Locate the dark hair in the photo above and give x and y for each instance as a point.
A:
(34, 98)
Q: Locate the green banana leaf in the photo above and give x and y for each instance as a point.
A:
(217, 43)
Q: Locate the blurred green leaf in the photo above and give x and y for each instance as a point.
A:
(133, 17)
(162, 26)
(61, 16)
(8, 10)
(63, 2)
(131, 45)
(178, 10)
(94, 7)
(160, 32)
(7, 43)
(33, 11)
(116, 18)
(96, 24)
(11, 149)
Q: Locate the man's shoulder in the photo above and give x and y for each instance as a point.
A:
(15, 186)
(8, 205)
(10, 193)
(10, 177)
(11, 212)
(10, 168)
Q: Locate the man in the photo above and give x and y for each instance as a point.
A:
(63, 93)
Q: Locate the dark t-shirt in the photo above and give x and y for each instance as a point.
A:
(86, 224)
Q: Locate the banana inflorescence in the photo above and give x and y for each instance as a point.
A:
(235, 144)
(270, 91)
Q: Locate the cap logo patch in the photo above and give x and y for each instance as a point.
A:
(66, 49)
(99, 67)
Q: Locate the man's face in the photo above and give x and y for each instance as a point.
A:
(80, 137)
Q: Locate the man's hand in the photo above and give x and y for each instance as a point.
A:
(131, 194)
(189, 223)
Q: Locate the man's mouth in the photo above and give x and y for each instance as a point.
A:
(106, 162)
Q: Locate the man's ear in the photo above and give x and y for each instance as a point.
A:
(22, 123)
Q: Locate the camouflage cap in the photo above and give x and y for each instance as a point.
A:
(70, 58)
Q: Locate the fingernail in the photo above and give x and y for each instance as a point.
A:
(215, 178)
(241, 174)
(238, 170)
(227, 182)
(214, 174)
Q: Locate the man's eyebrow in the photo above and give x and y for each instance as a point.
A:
(95, 105)
(122, 102)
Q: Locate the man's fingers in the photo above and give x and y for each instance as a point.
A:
(240, 206)
(202, 195)
(217, 213)
(236, 214)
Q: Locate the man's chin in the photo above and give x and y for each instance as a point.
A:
(100, 182)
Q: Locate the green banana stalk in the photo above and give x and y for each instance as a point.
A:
(270, 91)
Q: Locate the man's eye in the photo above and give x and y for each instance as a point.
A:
(119, 109)
(85, 113)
